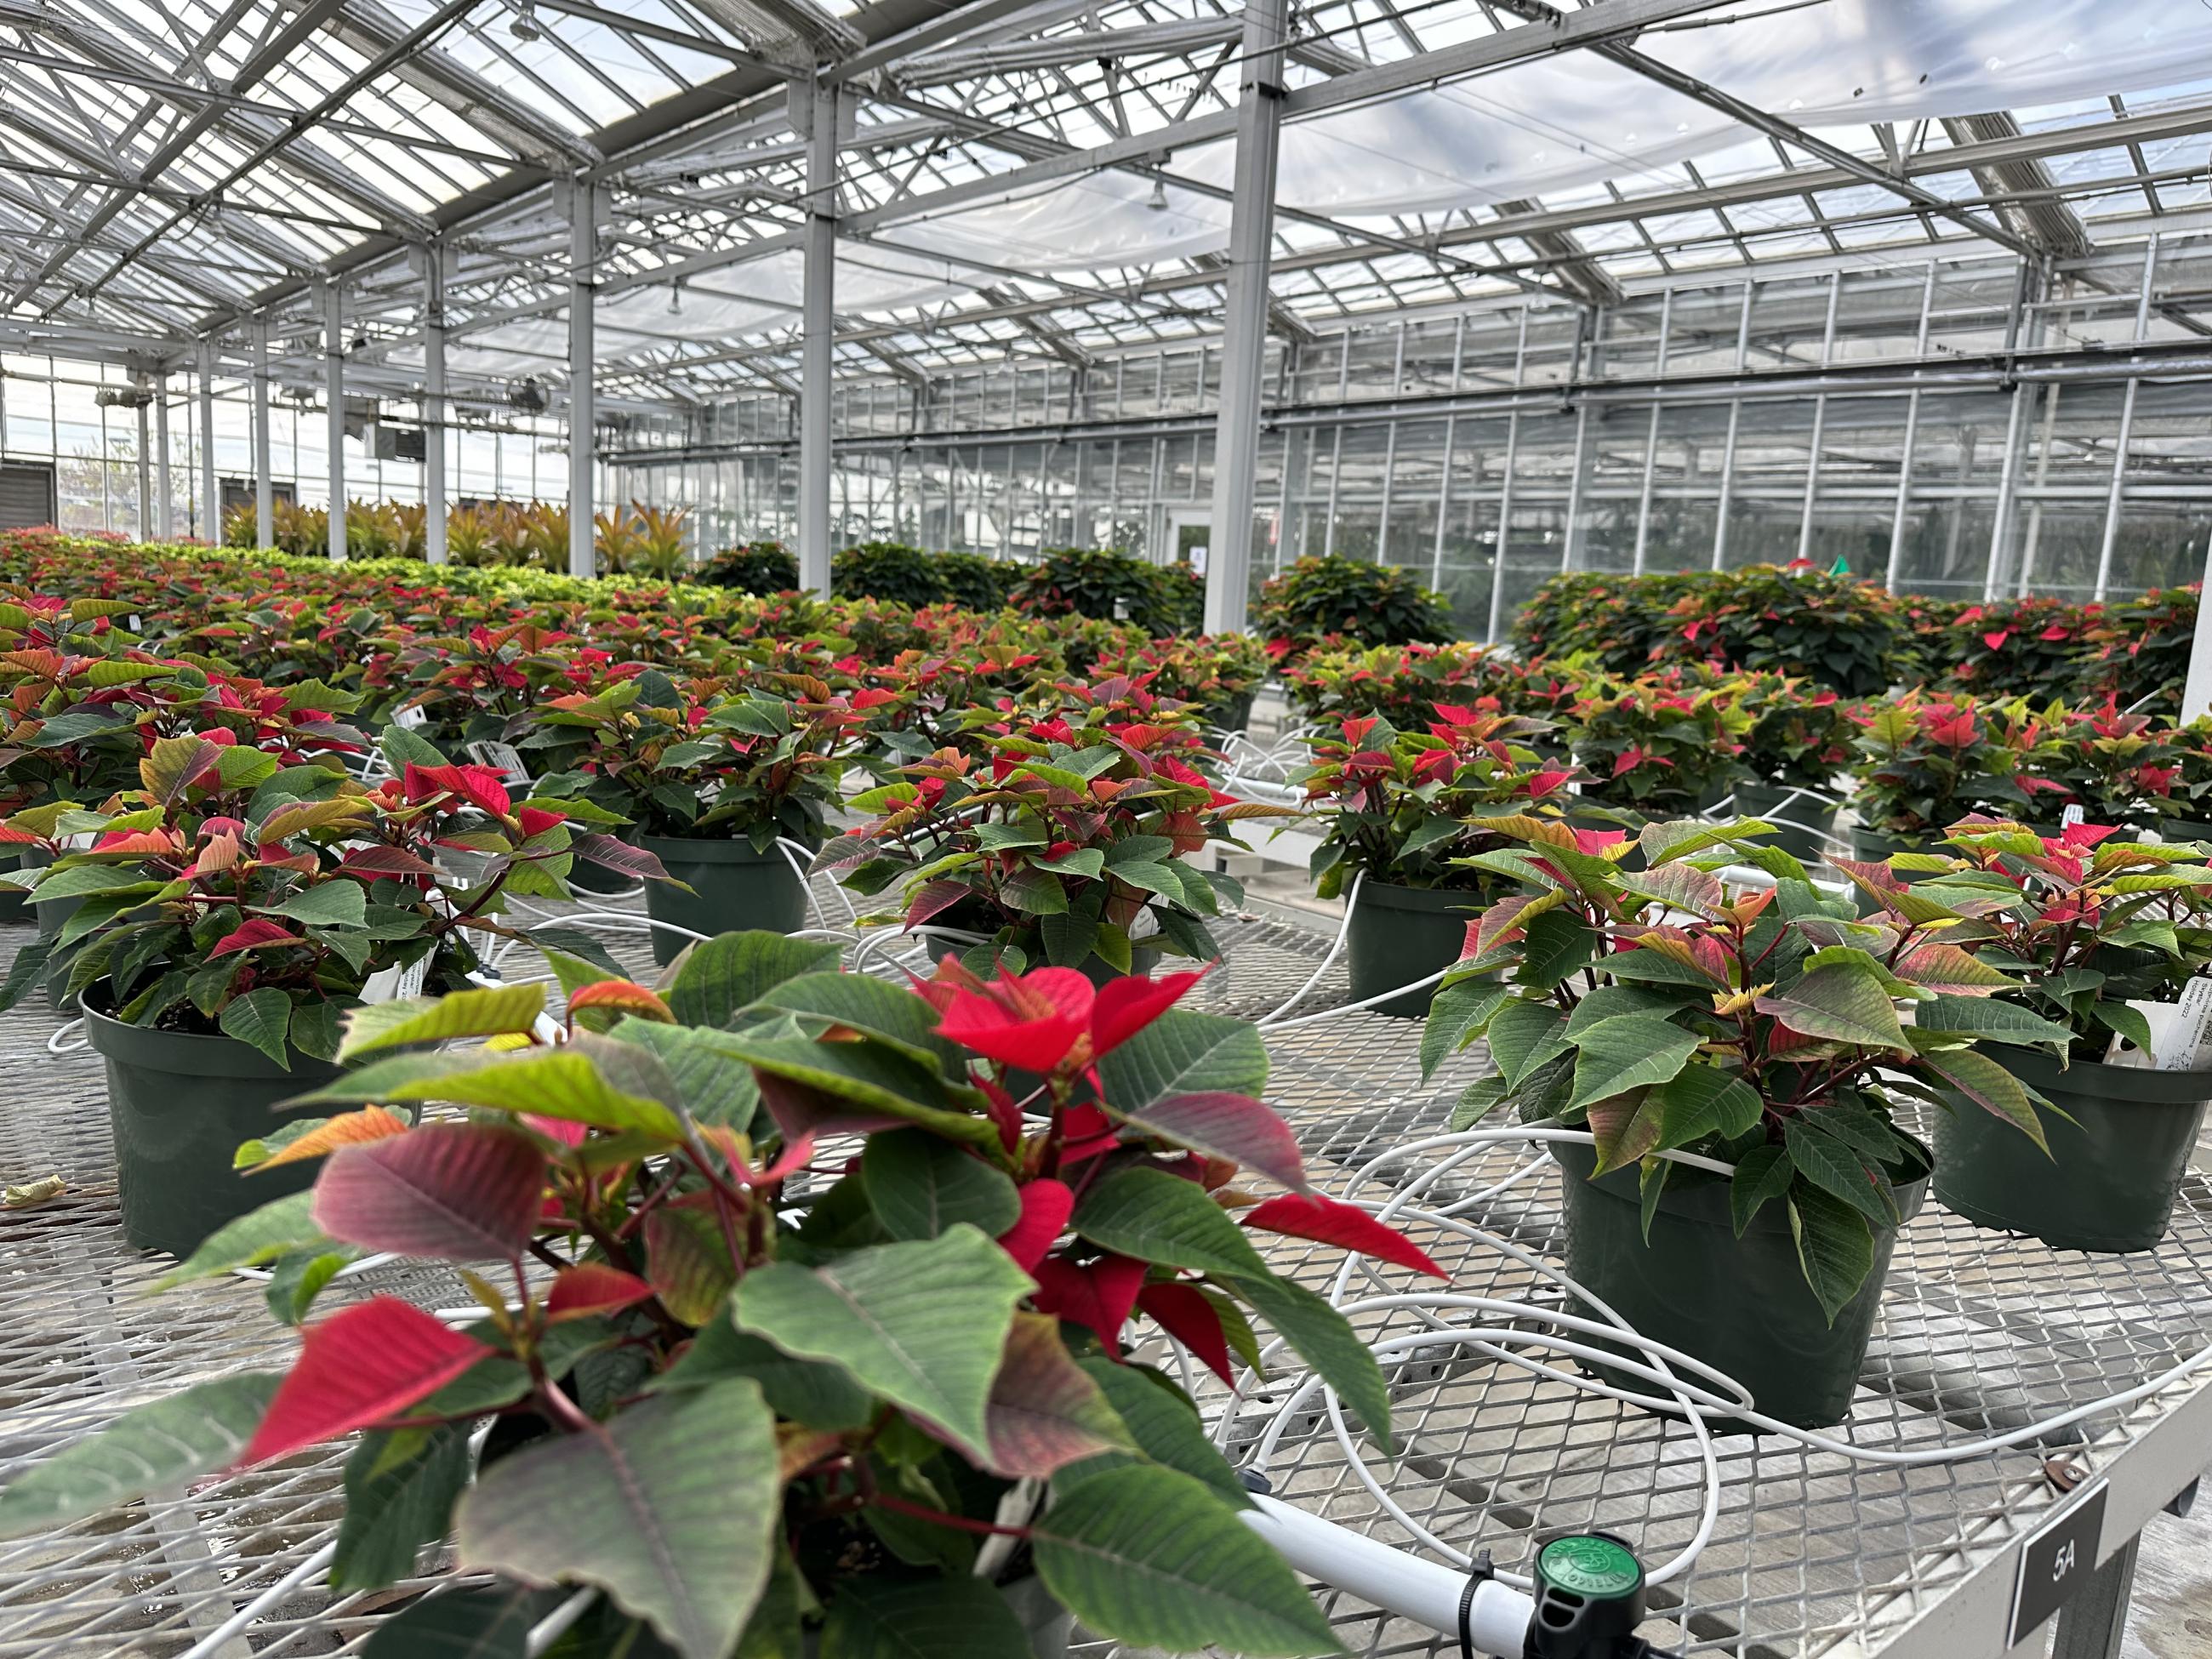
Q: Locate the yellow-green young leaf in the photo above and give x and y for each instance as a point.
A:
(1842, 1003)
(563, 1083)
(1150, 1557)
(490, 1010)
(162, 1445)
(1944, 969)
(172, 763)
(669, 1506)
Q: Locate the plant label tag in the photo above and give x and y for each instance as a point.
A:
(2056, 1560)
(2184, 1039)
(133, 623)
(504, 757)
(411, 717)
(2070, 817)
(397, 984)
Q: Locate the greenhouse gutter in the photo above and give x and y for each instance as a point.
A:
(1995, 370)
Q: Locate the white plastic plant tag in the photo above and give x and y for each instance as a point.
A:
(411, 717)
(2070, 817)
(133, 623)
(397, 984)
(504, 757)
(2184, 1046)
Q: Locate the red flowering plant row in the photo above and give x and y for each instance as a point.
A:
(1411, 807)
(251, 886)
(755, 1389)
(1055, 838)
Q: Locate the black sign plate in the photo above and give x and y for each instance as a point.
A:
(2057, 1559)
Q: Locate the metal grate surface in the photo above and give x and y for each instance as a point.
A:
(1814, 1555)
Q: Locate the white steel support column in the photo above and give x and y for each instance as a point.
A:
(264, 489)
(2126, 433)
(334, 413)
(433, 403)
(1912, 436)
(818, 331)
(145, 475)
(1651, 436)
(1820, 424)
(1506, 484)
(208, 521)
(1735, 425)
(1443, 491)
(583, 287)
(1245, 316)
(164, 514)
(2025, 292)
(1574, 487)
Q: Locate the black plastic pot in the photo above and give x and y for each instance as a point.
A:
(1232, 713)
(52, 914)
(180, 1106)
(1810, 818)
(1402, 934)
(1741, 1304)
(2113, 1173)
(735, 889)
(1870, 846)
(14, 902)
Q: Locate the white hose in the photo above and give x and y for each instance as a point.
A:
(1343, 932)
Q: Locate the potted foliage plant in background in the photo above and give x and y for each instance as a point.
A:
(1060, 842)
(1407, 813)
(1759, 1031)
(1926, 760)
(1798, 740)
(715, 784)
(2118, 769)
(1363, 604)
(761, 1394)
(2090, 928)
(231, 909)
(1659, 747)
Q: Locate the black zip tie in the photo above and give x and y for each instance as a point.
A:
(1480, 1574)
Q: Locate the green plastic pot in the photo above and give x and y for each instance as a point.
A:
(1232, 713)
(1810, 818)
(180, 1105)
(2110, 1182)
(1870, 846)
(735, 888)
(1741, 1304)
(52, 914)
(1402, 934)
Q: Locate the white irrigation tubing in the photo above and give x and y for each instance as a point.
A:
(1697, 1391)
(1336, 946)
(60, 1043)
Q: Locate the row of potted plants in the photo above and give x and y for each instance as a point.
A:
(1858, 640)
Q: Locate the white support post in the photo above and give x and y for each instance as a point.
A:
(1244, 317)
(334, 415)
(264, 489)
(1820, 424)
(819, 104)
(1651, 436)
(583, 257)
(1735, 425)
(1912, 437)
(1581, 462)
(164, 514)
(433, 403)
(1505, 485)
(209, 520)
(2001, 538)
(2126, 433)
(145, 475)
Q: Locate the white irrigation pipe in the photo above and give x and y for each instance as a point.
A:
(1336, 946)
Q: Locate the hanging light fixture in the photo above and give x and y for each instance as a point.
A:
(1159, 202)
(523, 26)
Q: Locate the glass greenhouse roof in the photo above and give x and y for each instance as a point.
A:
(1051, 179)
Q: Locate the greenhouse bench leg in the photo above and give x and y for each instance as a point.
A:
(2091, 1625)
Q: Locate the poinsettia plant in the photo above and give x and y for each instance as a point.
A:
(2084, 923)
(702, 760)
(233, 893)
(1662, 1011)
(1926, 760)
(1799, 738)
(2119, 769)
(1061, 844)
(1410, 808)
(1660, 745)
(757, 1390)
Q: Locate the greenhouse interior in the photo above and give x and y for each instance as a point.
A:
(990, 829)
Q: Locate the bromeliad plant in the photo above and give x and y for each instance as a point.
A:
(236, 893)
(2083, 923)
(755, 1390)
(1662, 1011)
(1411, 808)
(1062, 843)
